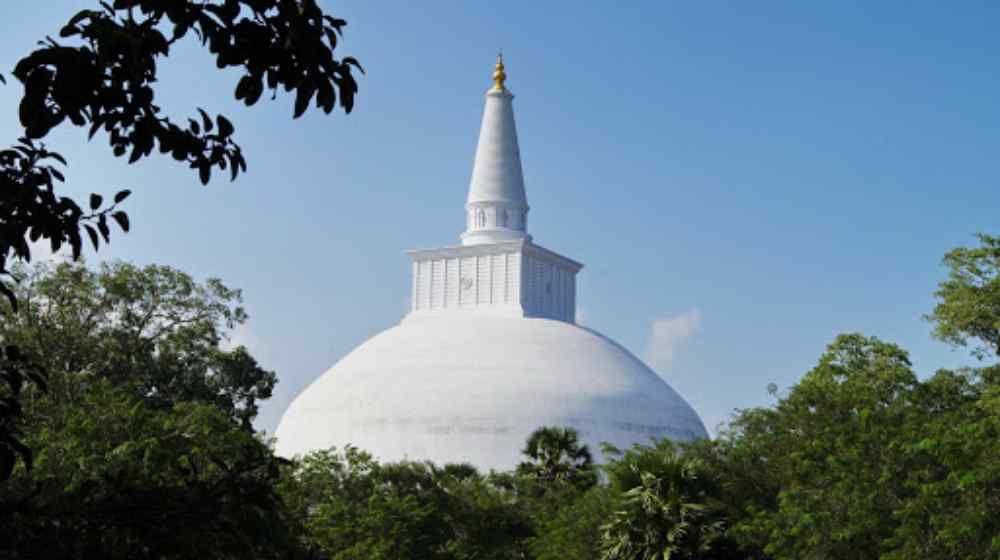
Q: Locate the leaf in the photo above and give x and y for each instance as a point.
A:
(335, 23)
(136, 154)
(302, 99)
(205, 120)
(102, 226)
(92, 233)
(75, 243)
(326, 96)
(122, 195)
(353, 62)
(195, 127)
(95, 201)
(122, 219)
(204, 172)
(255, 90)
(225, 127)
(94, 127)
(243, 87)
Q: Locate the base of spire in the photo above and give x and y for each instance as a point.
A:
(496, 235)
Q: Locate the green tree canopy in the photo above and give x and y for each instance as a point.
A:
(355, 508)
(154, 331)
(122, 478)
(861, 459)
(968, 305)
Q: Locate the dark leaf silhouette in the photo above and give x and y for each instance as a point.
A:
(122, 219)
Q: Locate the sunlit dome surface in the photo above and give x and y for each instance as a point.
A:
(471, 388)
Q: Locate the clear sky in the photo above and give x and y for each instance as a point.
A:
(743, 181)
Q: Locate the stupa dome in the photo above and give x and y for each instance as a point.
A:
(470, 387)
(490, 350)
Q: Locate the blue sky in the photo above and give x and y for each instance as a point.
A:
(750, 178)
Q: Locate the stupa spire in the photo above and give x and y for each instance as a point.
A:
(497, 208)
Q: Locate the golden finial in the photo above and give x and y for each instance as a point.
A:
(499, 75)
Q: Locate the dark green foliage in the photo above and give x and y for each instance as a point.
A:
(573, 531)
(118, 478)
(555, 457)
(15, 372)
(352, 507)
(667, 507)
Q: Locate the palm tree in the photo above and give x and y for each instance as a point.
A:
(556, 456)
(666, 510)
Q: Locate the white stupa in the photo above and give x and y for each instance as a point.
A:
(490, 350)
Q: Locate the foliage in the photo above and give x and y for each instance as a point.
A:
(153, 331)
(121, 478)
(102, 75)
(969, 300)
(30, 209)
(573, 531)
(862, 460)
(356, 508)
(556, 457)
(951, 447)
(488, 520)
(106, 81)
(667, 507)
(15, 371)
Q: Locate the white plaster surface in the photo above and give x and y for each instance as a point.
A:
(497, 207)
(496, 173)
(470, 388)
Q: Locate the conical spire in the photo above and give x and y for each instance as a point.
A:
(497, 208)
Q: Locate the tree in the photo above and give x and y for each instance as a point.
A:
(104, 79)
(153, 331)
(556, 457)
(102, 74)
(489, 520)
(862, 460)
(951, 473)
(144, 442)
(573, 531)
(355, 508)
(667, 508)
(122, 478)
(831, 447)
(969, 300)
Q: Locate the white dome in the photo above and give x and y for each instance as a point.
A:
(470, 387)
